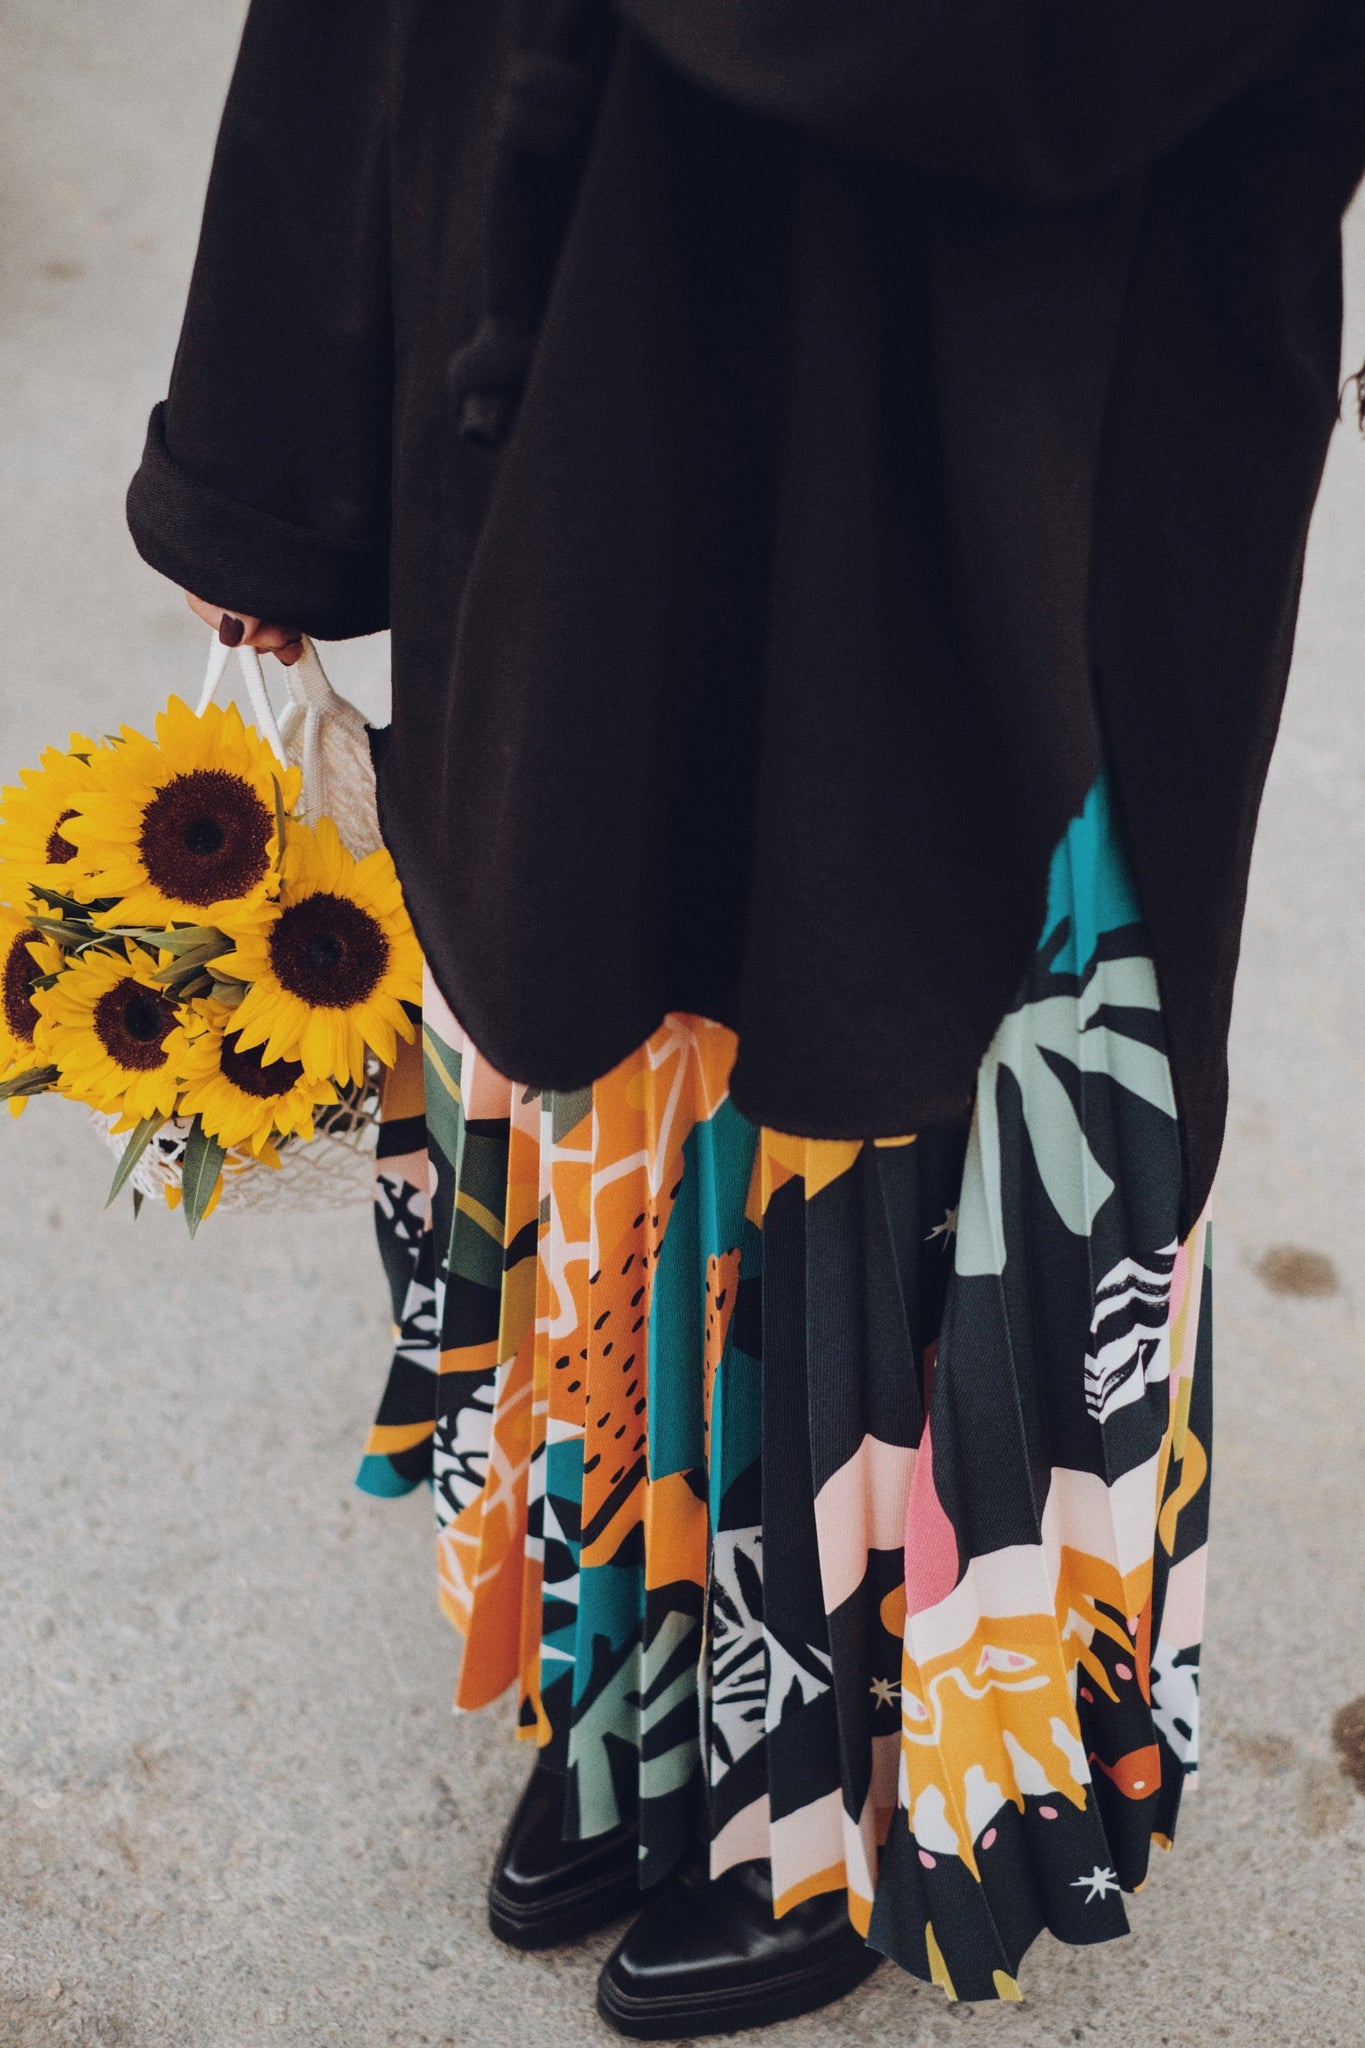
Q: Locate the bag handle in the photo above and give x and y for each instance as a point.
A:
(311, 697)
(256, 690)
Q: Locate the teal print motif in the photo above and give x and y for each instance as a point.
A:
(1088, 891)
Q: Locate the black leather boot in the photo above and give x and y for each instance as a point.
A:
(546, 1890)
(709, 1958)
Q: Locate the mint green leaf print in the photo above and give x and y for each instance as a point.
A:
(1061, 1025)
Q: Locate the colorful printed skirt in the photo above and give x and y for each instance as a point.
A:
(839, 1504)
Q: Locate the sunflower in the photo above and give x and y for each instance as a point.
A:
(105, 1026)
(183, 827)
(239, 1096)
(25, 955)
(331, 968)
(33, 816)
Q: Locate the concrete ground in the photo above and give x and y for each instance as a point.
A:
(234, 1808)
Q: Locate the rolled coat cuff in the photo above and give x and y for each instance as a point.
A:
(251, 561)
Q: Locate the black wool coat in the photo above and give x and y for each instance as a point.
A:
(795, 444)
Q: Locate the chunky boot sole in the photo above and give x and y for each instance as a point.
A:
(545, 1890)
(565, 1918)
(728, 2012)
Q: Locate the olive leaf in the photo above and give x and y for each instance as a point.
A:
(180, 971)
(71, 903)
(182, 941)
(188, 963)
(199, 1173)
(279, 824)
(189, 972)
(32, 1081)
(137, 1203)
(229, 993)
(65, 931)
(132, 1152)
(184, 987)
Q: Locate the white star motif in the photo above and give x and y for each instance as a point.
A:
(883, 1691)
(948, 1227)
(1101, 1883)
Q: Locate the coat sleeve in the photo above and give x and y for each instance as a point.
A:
(264, 483)
(1041, 100)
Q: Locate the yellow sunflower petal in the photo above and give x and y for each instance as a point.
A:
(107, 1027)
(229, 1088)
(331, 964)
(24, 957)
(35, 847)
(183, 828)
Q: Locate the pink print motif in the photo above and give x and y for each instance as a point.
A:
(930, 1543)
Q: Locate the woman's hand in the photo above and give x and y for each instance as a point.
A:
(235, 629)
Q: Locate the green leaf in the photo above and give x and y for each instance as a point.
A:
(199, 1172)
(138, 1199)
(279, 824)
(32, 1081)
(194, 939)
(188, 986)
(185, 968)
(177, 939)
(72, 903)
(65, 931)
(132, 1152)
(229, 993)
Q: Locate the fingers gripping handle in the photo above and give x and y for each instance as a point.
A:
(316, 707)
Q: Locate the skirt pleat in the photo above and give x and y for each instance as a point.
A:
(839, 1504)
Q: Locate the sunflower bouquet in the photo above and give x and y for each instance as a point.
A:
(207, 969)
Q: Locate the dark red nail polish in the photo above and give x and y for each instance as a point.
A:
(230, 630)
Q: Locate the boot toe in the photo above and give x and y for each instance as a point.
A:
(546, 1890)
(708, 1957)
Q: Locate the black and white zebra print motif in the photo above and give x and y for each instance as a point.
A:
(1129, 1332)
(460, 1451)
(738, 1662)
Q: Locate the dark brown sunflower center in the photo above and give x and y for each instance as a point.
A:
(329, 951)
(21, 971)
(60, 850)
(246, 1071)
(206, 837)
(133, 1023)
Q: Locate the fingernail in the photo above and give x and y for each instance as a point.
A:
(230, 630)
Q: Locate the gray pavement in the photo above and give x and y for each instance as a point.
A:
(234, 1808)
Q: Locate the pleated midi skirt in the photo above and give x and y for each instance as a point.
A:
(842, 1504)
